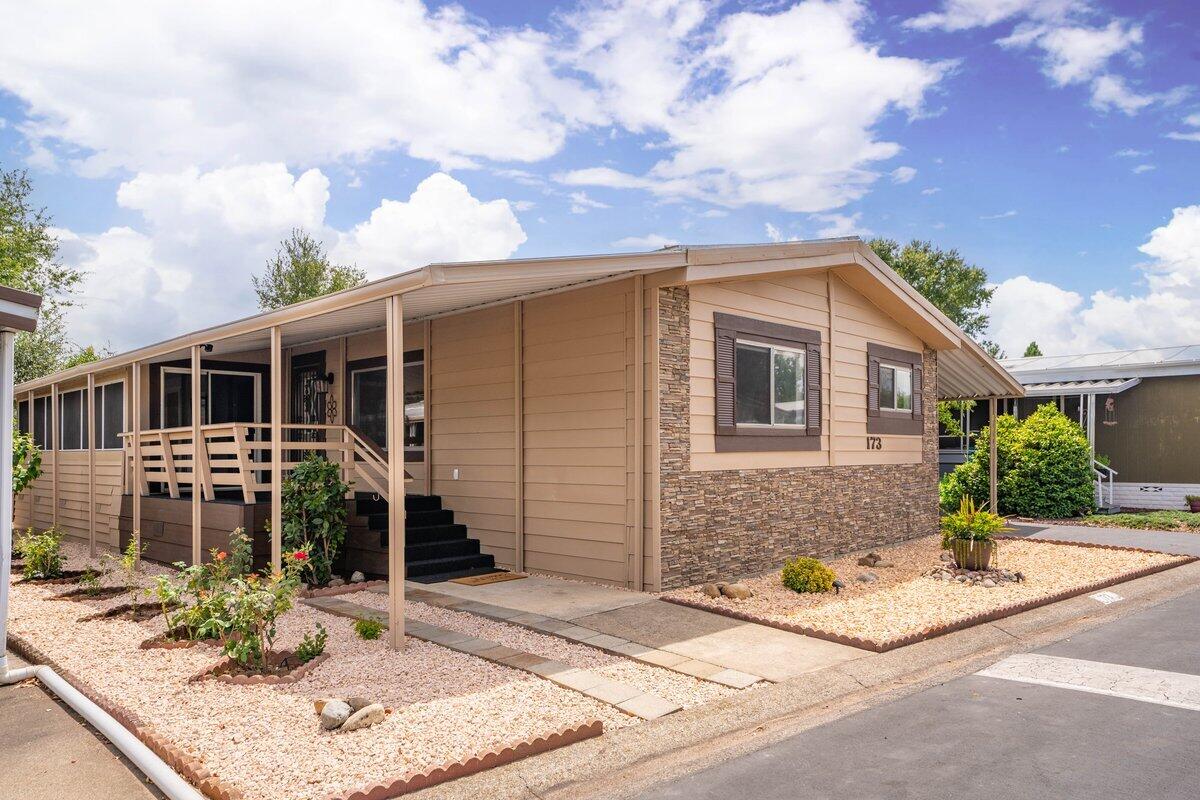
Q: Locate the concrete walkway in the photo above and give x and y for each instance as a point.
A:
(687, 633)
(1187, 544)
(49, 752)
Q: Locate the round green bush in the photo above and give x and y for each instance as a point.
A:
(806, 574)
(1044, 468)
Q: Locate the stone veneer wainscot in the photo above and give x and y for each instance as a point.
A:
(732, 523)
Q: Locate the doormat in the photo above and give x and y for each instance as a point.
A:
(484, 580)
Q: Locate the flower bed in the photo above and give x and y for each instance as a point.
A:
(904, 605)
(451, 712)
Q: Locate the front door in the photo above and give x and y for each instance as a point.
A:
(309, 397)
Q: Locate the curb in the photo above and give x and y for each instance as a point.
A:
(333, 591)
(414, 781)
(882, 646)
(192, 769)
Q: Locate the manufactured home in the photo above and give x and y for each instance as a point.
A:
(1139, 408)
(648, 420)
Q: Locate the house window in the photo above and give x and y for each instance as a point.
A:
(41, 422)
(368, 401)
(23, 416)
(895, 388)
(108, 407)
(72, 421)
(770, 385)
(894, 382)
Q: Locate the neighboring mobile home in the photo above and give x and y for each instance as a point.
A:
(649, 420)
(1139, 408)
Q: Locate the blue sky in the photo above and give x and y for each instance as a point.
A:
(1054, 142)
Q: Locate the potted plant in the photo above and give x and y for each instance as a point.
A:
(970, 534)
(1193, 501)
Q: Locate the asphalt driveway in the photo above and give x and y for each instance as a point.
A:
(1187, 544)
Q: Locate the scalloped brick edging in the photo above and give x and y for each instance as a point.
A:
(346, 588)
(161, 642)
(414, 781)
(885, 645)
(259, 680)
(191, 768)
(68, 576)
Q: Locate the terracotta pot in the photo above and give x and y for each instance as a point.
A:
(972, 555)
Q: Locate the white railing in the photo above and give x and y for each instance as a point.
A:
(1104, 475)
(238, 456)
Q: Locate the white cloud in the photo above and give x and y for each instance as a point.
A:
(931, 190)
(174, 85)
(1166, 313)
(836, 225)
(773, 233)
(1129, 152)
(1187, 136)
(1073, 49)
(714, 213)
(731, 141)
(1001, 215)
(523, 205)
(440, 221)
(244, 200)
(1075, 54)
(957, 15)
(205, 234)
(1142, 168)
(652, 241)
(581, 203)
(903, 174)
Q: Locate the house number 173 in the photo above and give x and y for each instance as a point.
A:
(874, 443)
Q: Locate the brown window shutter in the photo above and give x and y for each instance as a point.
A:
(916, 391)
(873, 387)
(725, 380)
(812, 399)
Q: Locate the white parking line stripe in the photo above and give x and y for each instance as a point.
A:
(1176, 689)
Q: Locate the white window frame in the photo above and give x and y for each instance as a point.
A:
(206, 374)
(802, 354)
(99, 408)
(896, 370)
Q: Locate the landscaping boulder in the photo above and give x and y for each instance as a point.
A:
(365, 717)
(737, 591)
(868, 577)
(336, 581)
(883, 564)
(358, 703)
(334, 714)
(869, 560)
(711, 590)
(357, 577)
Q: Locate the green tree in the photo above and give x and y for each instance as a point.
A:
(944, 277)
(1032, 350)
(29, 261)
(85, 355)
(300, 270)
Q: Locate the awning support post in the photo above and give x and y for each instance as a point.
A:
(992, 471)
(395, 443)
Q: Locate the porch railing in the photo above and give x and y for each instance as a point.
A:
(238, 456)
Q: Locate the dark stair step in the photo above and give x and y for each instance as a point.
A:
(433, 533)
(442, 549)
(365, 503)
(423, 519)
(422, 502)
(436, 566)
(458, 573)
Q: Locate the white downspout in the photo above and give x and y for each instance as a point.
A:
(157, 770)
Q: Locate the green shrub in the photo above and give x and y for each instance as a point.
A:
(806, 574)
(253, 606)
(312, 645)
(42, 553)
(368, 628)
(970, 523)
(26, 462)
(314, 514)
(1044, 468)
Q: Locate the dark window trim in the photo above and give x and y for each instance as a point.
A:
(380, 362)
(731, 438)
(888, 421)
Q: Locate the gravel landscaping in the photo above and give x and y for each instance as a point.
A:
(676, 687)
(266, 741)
(903, 600)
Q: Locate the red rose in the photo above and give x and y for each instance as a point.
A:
(221, 556)
(300, 555)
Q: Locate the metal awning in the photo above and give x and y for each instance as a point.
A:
(1106, 386)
